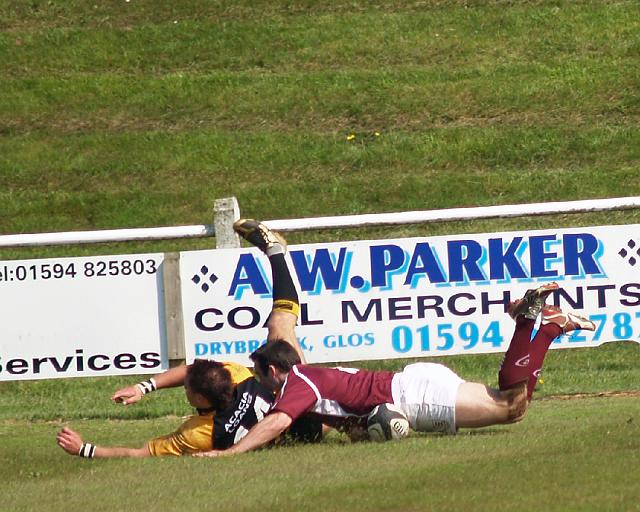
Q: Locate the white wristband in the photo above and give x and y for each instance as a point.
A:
(87, 450)
(147, 386)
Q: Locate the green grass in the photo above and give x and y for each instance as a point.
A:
(566, 455)
(115, 116)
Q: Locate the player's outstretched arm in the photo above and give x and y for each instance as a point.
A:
(262, 433)
(170, 379)
(71, 442)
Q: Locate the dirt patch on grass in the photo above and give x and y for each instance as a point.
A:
(604, 394)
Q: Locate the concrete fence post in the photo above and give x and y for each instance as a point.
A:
(225, 212)
(173, 317)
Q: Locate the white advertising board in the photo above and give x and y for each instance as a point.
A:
(78, 317)
(414, 297)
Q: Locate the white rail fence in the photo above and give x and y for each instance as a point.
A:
(227, 210)
(162, 333)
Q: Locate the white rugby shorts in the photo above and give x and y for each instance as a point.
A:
(426, 392)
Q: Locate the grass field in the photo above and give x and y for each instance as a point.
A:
(122, 114)
(572, 452)
(141, 113)
(567, 455)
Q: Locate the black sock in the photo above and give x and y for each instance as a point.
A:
(285, 295)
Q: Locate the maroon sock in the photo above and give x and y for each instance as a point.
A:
(539, 347)
(515, 365)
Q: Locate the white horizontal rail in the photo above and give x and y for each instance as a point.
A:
(107, 235)
(480, 212)
(344, 221)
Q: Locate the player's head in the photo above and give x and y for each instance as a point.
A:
(274, 355)
(208, 385)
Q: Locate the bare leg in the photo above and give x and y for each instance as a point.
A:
(284, 315)
(478, 405)
(281, 326)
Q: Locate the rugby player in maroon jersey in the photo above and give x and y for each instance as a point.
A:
(433, 397)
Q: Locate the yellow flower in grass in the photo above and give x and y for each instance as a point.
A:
(351, 136)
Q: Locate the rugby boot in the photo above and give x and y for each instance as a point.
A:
(568, 321)
(259, 235)
(532, 303)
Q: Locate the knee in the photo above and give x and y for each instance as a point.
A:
(517, 403)
(518, 414)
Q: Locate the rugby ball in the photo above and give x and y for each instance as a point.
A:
(387, 422)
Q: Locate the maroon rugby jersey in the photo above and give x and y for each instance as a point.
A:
(336, 394)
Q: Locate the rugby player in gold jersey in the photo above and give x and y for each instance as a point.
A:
(228, 399)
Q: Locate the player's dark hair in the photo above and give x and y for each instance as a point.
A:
(211, 380)
(278, 353)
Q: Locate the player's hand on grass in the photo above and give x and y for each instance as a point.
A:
(127, 396)
(69, 440)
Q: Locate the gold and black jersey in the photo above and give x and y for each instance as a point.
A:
(201, 433)
(251, 403)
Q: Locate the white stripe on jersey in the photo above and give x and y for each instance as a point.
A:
(323, 405)
(284, 385)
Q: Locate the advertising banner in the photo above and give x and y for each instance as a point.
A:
(78, 317)
(414, 297)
